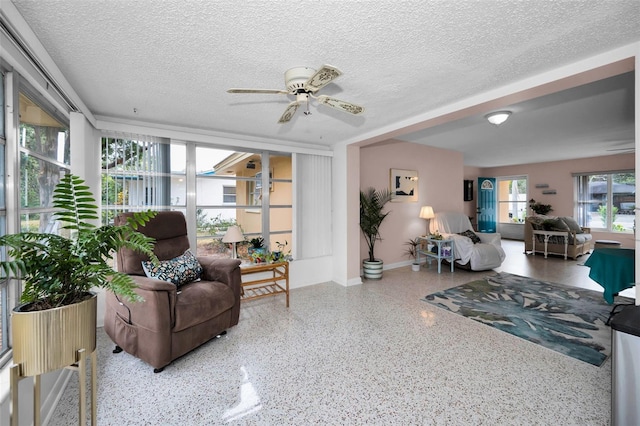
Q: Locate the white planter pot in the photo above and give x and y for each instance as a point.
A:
(415, 267)
(372, 270)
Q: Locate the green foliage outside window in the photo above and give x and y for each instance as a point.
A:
(216, 226)
(39, 177)
(602, 211)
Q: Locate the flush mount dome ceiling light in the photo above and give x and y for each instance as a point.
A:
(498, 117)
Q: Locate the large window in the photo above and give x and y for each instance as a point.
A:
(140, 173)
(606, 201)
(512, 199)
(257, 211)
(216, 178)
(44, 157)
(40, 154)
(216, 187)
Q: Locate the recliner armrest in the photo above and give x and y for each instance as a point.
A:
(490, 237)
(216, 269)
(152, 284)
(226, 271)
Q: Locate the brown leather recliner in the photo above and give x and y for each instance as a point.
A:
(171, 321)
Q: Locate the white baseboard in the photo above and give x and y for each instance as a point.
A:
(53, 397)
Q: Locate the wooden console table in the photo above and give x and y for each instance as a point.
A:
(265, 286)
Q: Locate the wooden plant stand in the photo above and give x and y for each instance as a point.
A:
(268, 283)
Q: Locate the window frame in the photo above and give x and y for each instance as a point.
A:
(4, 283)
(502, 202)
(194, 208)
(14, 89)
(227, 196)
(583, 202)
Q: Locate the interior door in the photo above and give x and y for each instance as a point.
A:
(487, 204)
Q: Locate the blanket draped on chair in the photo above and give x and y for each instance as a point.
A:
(487, 254)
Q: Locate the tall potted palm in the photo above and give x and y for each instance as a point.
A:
(57, 316)
(372, 203)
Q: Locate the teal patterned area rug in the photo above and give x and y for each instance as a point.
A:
(569, 320)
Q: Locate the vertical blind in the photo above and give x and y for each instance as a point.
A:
(136, 173)
(313, 205)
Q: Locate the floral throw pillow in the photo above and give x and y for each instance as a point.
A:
(470, 234)
(179, 270)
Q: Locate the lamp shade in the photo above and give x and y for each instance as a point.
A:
(233, 235)
(426, 212)
(498, 117)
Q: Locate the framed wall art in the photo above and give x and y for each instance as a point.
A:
(404, 186)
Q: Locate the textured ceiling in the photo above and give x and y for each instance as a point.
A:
(172, 61)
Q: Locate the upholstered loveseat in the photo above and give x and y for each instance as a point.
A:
(555, 229)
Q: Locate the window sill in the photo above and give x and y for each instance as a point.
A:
(5, 382)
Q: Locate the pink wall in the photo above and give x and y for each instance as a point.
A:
(441, 173)
(440, 185)
(557, 174)
(353, 213)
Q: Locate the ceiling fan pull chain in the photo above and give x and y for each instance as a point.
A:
(307, 112)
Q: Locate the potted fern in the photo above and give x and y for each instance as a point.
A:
(57, 316)
(372, 203)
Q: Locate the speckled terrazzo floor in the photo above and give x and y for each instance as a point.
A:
(368, 354)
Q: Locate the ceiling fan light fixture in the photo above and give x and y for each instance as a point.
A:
(303, 83)
(498, 117)
(295, 78)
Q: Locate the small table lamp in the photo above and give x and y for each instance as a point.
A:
(426, 212)
(233, 235)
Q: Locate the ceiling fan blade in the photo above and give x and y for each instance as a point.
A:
(322, 77)
(288, 113)
(268, 91)
(341, 105)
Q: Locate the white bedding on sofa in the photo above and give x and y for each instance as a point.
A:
(487, 254)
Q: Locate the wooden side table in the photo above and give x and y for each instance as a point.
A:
(268, 284)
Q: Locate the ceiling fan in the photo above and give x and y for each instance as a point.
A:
(303, 83)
